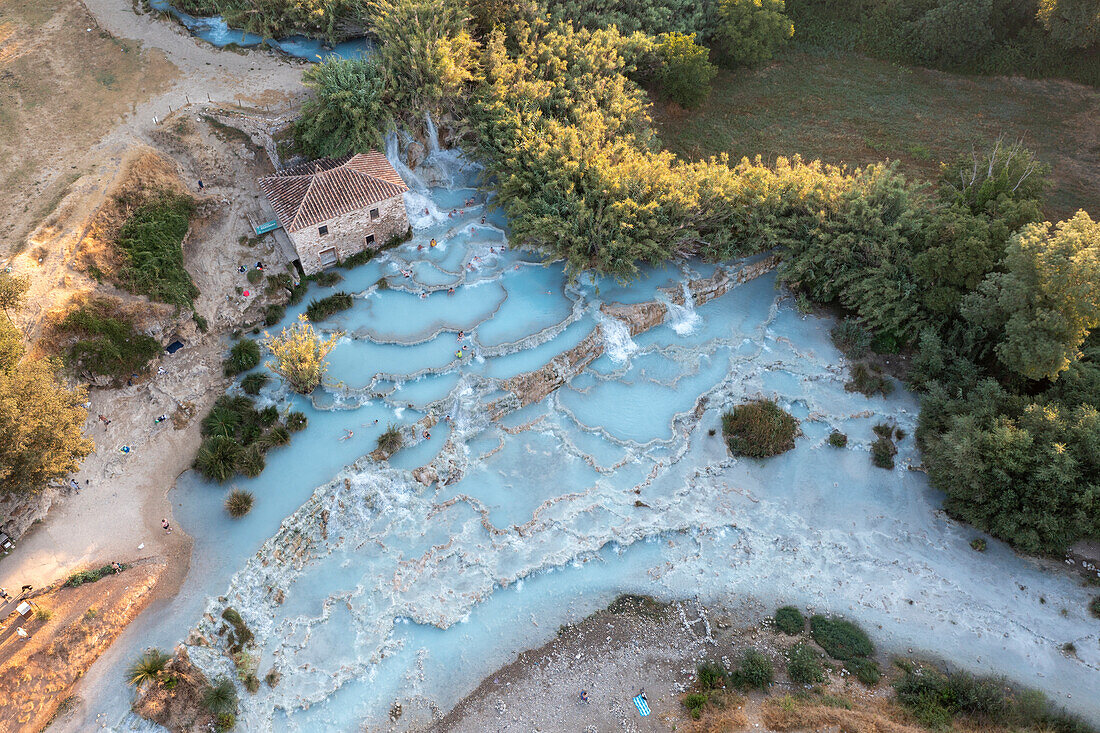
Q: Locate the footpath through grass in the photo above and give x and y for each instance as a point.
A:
(857, 110)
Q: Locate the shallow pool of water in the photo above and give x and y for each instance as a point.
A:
(405, 593)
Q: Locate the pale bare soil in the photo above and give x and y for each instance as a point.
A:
(613, 654)
(38, 673)
(84, 116)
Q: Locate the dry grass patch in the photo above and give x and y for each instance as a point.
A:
(61, 88)
(786, 712)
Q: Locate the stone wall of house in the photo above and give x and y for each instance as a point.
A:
(348, 233)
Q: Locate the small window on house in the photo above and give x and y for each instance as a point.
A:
(374, 214)
(322, 229)
(370, 239)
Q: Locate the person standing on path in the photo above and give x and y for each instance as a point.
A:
(165, 526)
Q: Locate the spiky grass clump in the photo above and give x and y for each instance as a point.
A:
(220, 698)
(296, 421)
(390, 441)
(759, 429)
(790, 620)
(147, 667)
(244, 355)
(218, 458)
(254, 382)
(239, 503)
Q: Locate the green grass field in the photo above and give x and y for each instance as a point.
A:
(857, 110)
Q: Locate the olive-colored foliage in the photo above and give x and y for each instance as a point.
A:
(1072, 23)
(147, 667)
(41, 419)
(629, 16)
(238, 503)
(318, 310)
(865, 670)
(347, 112)
(755, 671)
(841, 639)
(685, 70)
(334, 20)
(107, 344)
(300, 355)
(790, 620)
(425, 51)
(1025, 471)
(1038, 38)
(151, 242)
(749, 32)
(13, 291)
(803, 665)
(244, 355)
(391, 440)
(937, 700)
(1043, 307)
(759, 429)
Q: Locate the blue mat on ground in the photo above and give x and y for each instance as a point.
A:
(642, 704)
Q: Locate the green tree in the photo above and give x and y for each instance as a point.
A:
(749, 32)
(1041, 310)
(41, 420)
(952, 32)
(347, 112)
(1023, 471)
(1072, 23)
(426, 53)
(685, 72)
(13, 289)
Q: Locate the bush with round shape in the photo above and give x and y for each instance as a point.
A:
(1094, 606)
(147, 667)
(244, 355)
(759, 429)
(803, 666)
(220, 698)
(695, 702)
(840, 638)
(255, 276)
(686, 71)
(254, 382)
(790, 620)
(296, 421)
(238, 503)
(711, 675)
(218, 458)
(755, 671)
(749, 32)
(838, 439)
(251, 461)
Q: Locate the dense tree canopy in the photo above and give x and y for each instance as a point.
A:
(41, 419)
(347, 112)
(749, 32)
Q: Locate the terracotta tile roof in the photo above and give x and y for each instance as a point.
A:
(310, 193)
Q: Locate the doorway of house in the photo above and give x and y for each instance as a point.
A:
(328, 257)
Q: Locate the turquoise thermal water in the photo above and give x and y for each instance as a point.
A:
(216, 32)
(612, 484)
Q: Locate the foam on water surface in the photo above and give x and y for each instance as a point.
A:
(365, 586)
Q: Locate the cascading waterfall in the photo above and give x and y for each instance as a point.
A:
(682, 318)
(617, 342)
(408, 581)
(433, 134)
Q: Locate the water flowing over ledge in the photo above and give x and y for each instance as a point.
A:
(558, 453)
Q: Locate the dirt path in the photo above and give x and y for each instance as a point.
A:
(123, 495)
(71, 628)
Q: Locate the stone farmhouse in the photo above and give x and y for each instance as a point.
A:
(333, 208)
